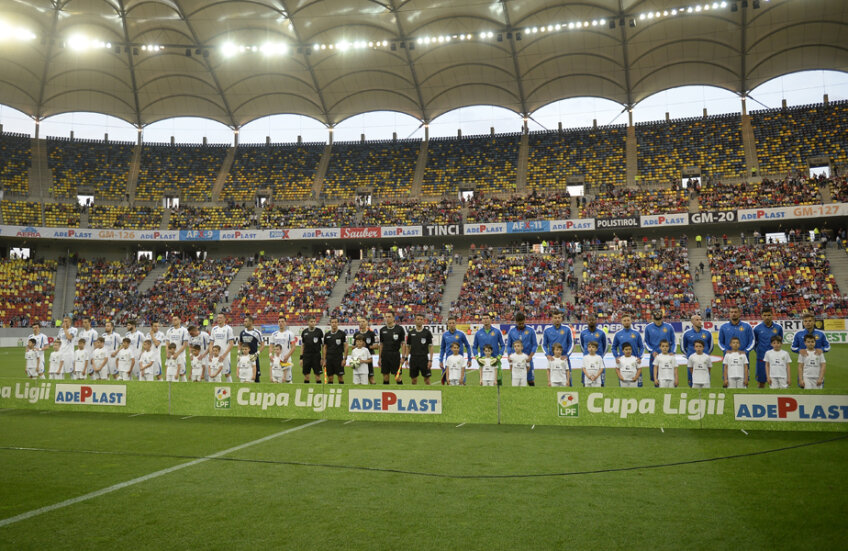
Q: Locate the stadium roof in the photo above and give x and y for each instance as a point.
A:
(338, 58)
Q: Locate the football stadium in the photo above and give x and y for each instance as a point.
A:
(388, 274)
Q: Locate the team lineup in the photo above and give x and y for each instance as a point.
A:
(192, 354)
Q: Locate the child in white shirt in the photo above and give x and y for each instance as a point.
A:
(665, 367)
(593, 367)
(126, 360)
(216, 365)
(99, 360)
(455, 364)
(32, 359)
(699, 366)
(172, 364)
(246, 365)
(778, 364)
(488, 366)
(558, 368)
(80, 361)
(518, 362)
(735, 366)
(628, 367)
(360, 359)
(147, 362)
(811, 366)
(57, 363)
(197, 367)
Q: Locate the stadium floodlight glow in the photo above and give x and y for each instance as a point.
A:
(273, 48)
(228, 49)
(534, 30)
(81, 43)
(344, 45)
(558, 26)
(11, 32)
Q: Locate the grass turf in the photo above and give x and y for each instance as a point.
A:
(787, 499)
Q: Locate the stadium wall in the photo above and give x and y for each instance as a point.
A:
(606, 407)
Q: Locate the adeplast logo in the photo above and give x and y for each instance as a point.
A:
(29, 231)
(762, 214)
(320, 233)
(236, 235)
(401, 231)
(485, 228)
(571, 225)
(360, 233)
(159, 236)
(665, 220)
(399, 401)
(811, 408)
(72, 233)
(96, 395)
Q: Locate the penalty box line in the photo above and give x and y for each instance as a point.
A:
(151, 476)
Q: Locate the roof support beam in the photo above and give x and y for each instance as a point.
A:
(743, 53)
(518, 80)
(208, 65)
(625, 58)
(401, 37)
(131, 62)
(39, 108)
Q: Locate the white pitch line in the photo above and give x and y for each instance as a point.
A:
(136, 414)
(663, 430)
(743, 430)
(459, 425)
(145, 478)
(186, 417)
(348, 422)
(533, 427)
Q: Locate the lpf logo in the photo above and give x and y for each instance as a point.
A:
(567, 404)
(222, 397)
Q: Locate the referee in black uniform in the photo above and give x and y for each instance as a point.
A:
(391, 342)
(370, 340)
(335, 351)
(418, 351)
(311, 341)
(252, 337)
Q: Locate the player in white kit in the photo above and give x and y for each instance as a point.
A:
(147, 361)
(126, 360)
(196, 337)
(68, 341)
(223, 338)
(778, 364)
(99, 361)
(518, 362)
(158, 345)
(42, 343)
(111, 343)
(628, 367)
(90, 335)
(811, 366)
(699, 365)
(178, 335)
(558, 368)
(136, 338)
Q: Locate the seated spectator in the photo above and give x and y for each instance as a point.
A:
(21, 213)
(100, 167)
(62, 215)
(119, 216)
(206, 218)
(332, 216)
(15, 151)
(487, 162)
(27, 292)
(386, 168)
(184, 171)
(105, 290)
(287, 170)
(715, 195)
(620, 203)
(596, 154)
(555, 206)
(412, 213)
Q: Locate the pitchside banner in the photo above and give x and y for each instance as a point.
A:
(793, 213)
(663, 220)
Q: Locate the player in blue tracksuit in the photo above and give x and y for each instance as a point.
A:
(487, 335)
(558, 333)
(763, 334)
(448, 338)
(809, 329)
(696, 333)
(627, 335)
(739, 329)
(655, 333)
(529, 343)
(593, 333)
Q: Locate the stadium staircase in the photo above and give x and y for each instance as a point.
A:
(147, 283)
(453, 285)
(521, 169)
(749, 144)
(40, 176)
(135, 168)
(631, 165)
(223, 173)
(321, 172)
(236, 284)
(838, 260)
(340, 289)
(567, 295)
(704, 291)
(420, 165)
(825, 193)
(84, 217)
(166, 219)
(693, 203)
(66, 281)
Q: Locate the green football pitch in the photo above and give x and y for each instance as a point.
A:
(89, 481)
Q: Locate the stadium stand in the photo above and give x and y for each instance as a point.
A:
(554, 206)
(413, 213)
(106, 289)
(189, 288)
(787, 138)
(196, 218)
(406, 286)
(21, 213)
(308, 217)
(838, 190)
(503, 285)
(292, 287)
(637, 281)
(386, 167)
(101, 167)
(488, 163)
(790, 277)
(627, 202)
(716, 195)
(597, 154)
(188, 170)
(713, 143)
(137, 218)
(15, 162)
(27, 291)
(61, 215)
(287, 170)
